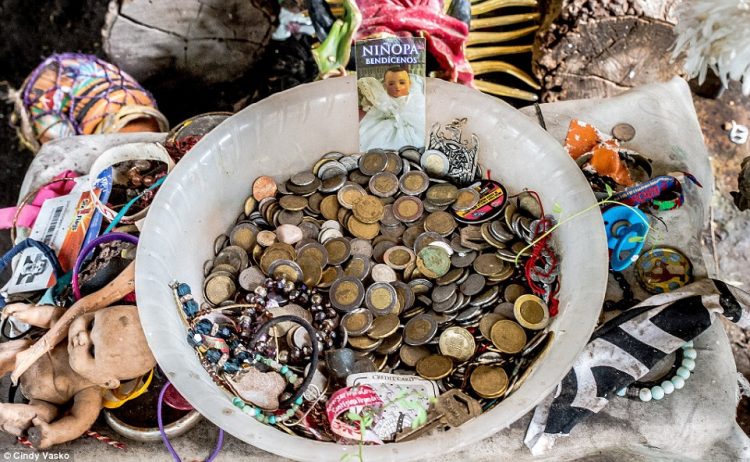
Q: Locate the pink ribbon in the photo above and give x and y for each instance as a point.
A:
(28, 215)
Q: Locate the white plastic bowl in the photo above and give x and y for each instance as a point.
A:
(285, 134)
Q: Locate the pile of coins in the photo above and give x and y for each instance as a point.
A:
(422, 276)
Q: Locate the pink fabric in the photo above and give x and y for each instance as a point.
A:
(28, 215)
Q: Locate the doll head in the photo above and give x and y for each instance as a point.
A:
(397, 82)
(108, 346)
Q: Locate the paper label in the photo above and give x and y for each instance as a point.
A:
(391, 92)
(62, 224)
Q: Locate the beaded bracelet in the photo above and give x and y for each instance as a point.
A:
(668, 386)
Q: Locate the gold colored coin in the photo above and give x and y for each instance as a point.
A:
(410, 355)
(350, 194)
(489, 381)
(390, 344)
(466, 199)
(508, 336)
(457, 343)
(531, 312)
(368, 209)
(357, 322)
(314, 250)
(346, 294)
(219, 288)
(250, 204)
(442, 194)
(311, 269)
(434, 367)
(399, 257)
(408, 209)
(364, 343)
(488, 264)
(442, 223)
(384, 184)
(362, 230)
(414, 183)
(278, 251)
(489, 320)
(338, 250)
(384, 326)
(328, 277)
(287, 271)
(329, 207)
(293, 203)
(266, 238)
(372, 162)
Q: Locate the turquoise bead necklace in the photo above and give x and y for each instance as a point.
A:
(668, 386)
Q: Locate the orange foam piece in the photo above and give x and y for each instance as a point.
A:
(581, 138)
(606, 161)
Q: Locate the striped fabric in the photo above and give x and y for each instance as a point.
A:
(625, 348)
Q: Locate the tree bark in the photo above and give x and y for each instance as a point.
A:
(594, 49)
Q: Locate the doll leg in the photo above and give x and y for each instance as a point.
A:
(17, 418)
(8, 352)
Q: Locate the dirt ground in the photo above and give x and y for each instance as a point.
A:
(30, 30)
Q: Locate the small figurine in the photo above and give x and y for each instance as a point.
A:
(103, 348)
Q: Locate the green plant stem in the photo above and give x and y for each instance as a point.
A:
(576, 215)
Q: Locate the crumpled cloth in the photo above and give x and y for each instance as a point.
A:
(626, 347)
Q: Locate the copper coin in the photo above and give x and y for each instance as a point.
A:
(264, 186)
(293, 203)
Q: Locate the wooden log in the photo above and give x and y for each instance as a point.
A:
(208, 40)
(597, 49)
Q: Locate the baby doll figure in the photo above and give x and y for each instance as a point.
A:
(103, 348)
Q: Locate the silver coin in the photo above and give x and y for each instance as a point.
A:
(463, 260)
(485, 298)
(303, 178)
(445, 305)
(331, 169)
(473, 285)
(442, 293)
(250, 278)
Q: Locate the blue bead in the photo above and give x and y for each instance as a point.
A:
(284, 369)
(677, 381)
(689, 353)
(213, 355)
(645, 395)
(230, 367)
(203, 327)
(238, 402)
(657, 392)
(190, 308)
(183, 289)
(688, 364)
(272, 420)
(683, 372)
(621, 392)
(298, 401)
